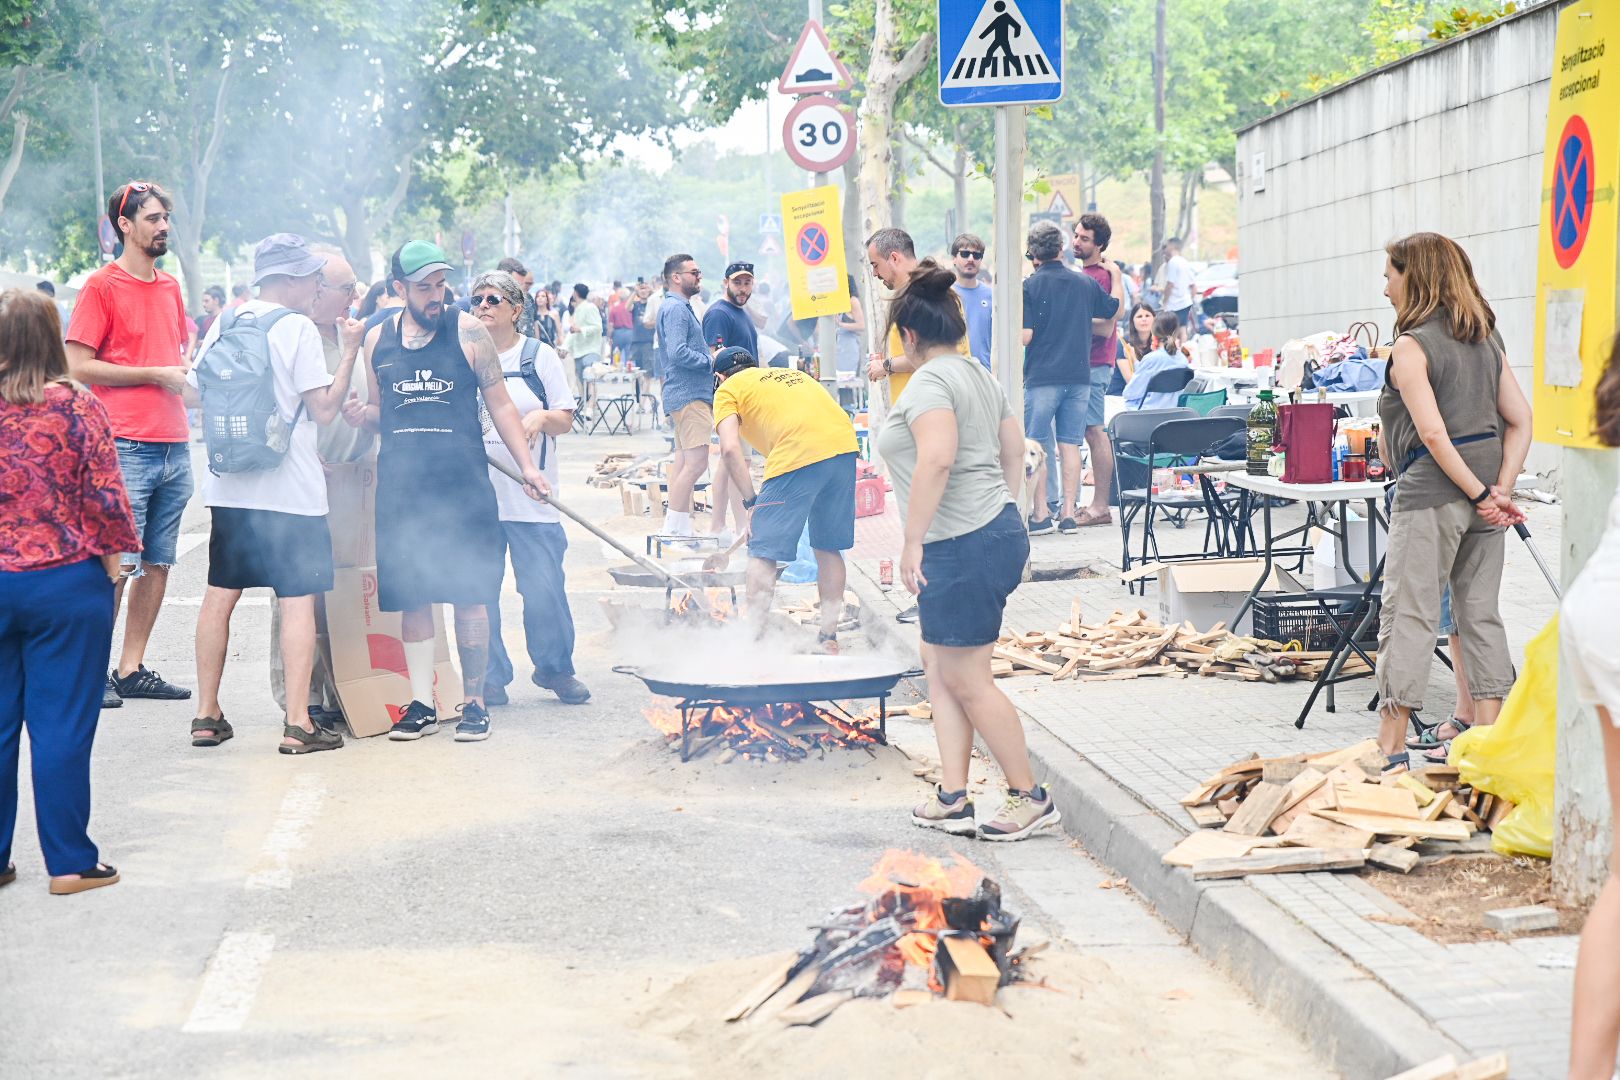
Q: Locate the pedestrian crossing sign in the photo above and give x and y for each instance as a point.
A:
(1000, 52)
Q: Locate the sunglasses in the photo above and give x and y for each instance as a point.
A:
(139, 187)
(694, 273)
(968, 253)
(486, 301)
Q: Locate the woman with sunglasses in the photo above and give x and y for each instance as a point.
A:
(538, 385)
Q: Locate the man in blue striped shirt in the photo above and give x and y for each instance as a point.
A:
(688, 370)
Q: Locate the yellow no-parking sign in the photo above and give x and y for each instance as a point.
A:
(1575, 271)
(813, 239)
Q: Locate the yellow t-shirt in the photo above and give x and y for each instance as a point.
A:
(787, 415)
(897, 381)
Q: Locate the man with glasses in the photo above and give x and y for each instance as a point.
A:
(128, 341)
(688, 387)
(1091, 237)
(967, 255)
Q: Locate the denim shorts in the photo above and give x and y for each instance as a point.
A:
(158, 478)
(969, 579)
(821, 493)
(1063, 405)
(1448, 625)
(1096, 406)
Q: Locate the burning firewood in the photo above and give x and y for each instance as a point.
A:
(792, 732)
(929, 927)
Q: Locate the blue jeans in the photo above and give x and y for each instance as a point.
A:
(55, 633)
(158, 478)
(1062, 407)
(969, 579)
(548, 625)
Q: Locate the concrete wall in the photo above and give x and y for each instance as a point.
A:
(1448, 140)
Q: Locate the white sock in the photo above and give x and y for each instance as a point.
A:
(678, 523)
(419, 663)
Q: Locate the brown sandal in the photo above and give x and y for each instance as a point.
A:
(216, 726)
(1087, 518)
(309, 742)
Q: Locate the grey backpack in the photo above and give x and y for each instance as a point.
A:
(243, 429)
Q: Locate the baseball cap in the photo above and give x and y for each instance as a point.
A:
(284, 254)
(739, 268)
(418, 258)
(730, 359)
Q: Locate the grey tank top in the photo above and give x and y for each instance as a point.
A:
(1465, 378)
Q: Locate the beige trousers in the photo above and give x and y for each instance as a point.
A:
(1427, 549)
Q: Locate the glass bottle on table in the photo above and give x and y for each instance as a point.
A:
(1262, 434)
(1377, 471)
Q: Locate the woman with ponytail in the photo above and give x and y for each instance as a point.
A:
(955, 452)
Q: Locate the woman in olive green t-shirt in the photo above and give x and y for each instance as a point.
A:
(955, 450)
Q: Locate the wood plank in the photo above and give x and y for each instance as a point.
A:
(1377, 799)
(970, 974)
(761, 991)
(1334, 758)
(1311, 831)
(1433, 811)
(1394, 858)
(1263, 804)
(1441, 1068)
(1211, 844)
(1282, 861)
(1494, 1067)
(1206, 817)
(1394, 826)
(814, 1010)
(1304, 784)
(1500, 809)
(1425, 794)
(1068, 669)
(1026, 658)
(1139, 673)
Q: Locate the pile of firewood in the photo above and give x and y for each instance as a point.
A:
(1328, 811)
(1129, 645)
(806, 611)
(620, 466)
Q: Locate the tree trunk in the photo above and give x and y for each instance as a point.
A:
(1189, 200)
(885, 75)
(959, 189)
(1156, 181)
(8, 171)
(357, 236)
(185, 235)
(897, 188)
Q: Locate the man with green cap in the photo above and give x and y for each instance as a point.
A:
(438, 523)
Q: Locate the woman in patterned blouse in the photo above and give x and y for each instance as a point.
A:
(64, 520)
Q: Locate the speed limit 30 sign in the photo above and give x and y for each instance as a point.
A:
(819, 133)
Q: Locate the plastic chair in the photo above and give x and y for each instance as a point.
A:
(1204, 404)
(1170, 381)
(1239, 411)
(1178, 440)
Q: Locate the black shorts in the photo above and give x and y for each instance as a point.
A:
(254, 549)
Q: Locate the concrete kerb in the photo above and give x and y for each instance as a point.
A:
(1359, 1025)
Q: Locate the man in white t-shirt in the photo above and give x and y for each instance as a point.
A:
(269, 525)
(532, 530)
(1177, 278)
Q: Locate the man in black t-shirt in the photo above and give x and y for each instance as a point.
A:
(726, 324)
(1059, 306)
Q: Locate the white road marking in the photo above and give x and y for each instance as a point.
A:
(189, 542)
(230, 983)
(288, 834)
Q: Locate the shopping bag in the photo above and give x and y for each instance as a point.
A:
(1305, 432)
(1515, 758)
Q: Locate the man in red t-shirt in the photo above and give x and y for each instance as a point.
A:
(128, 341)
(1091, 238)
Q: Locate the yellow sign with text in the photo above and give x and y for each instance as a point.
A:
(813, 238)
(1575, 271)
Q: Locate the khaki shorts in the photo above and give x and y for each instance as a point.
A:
(694, 423)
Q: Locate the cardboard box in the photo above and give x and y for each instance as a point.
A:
(351, 497)
(1328, 561)
(368, 656)
(1209, 591)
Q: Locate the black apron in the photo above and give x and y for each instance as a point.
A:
(438, 525)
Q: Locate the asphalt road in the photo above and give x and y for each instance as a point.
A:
(565, 899)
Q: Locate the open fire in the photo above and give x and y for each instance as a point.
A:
(713, 603)
(928, 928)
(790, 732)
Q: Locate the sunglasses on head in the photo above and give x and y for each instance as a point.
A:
(139, 187)
(486, 301)
(968, 253)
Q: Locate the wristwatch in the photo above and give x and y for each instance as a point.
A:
(888, 365)
(748, 503)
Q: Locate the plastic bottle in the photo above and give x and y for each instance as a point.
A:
(1262, 434)
(815, 365)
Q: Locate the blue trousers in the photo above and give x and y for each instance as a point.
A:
(548, 626)
(55, 634)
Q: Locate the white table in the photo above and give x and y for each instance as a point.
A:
(1359, 402)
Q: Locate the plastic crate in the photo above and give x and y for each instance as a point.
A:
(1297, 617)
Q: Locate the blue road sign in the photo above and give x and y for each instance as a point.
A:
(1000, 52)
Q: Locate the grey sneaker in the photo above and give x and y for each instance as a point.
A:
(1021, 815)
(954, 816)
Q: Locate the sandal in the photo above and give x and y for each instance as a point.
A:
(828, 643)
(1440, 755)
(309, 742)
(1428, 737)
(1395, 764)
(217, 728)
(94, 878)
(9, 874)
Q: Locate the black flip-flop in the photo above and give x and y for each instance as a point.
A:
(94, 878)
(910, 615)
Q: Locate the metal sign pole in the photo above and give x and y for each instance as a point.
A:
(1007, 292)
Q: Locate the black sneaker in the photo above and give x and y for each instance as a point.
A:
(569, 690)
(1068, 525)
(495, 695)
(142, 683)
(416, 721)
(474, 723)
(109, 696)
(1038, 528)
(326, 721)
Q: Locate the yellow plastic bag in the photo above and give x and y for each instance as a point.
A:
(1515, 758)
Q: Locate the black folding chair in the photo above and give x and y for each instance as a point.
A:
(1180, 440)
(1170, 381)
